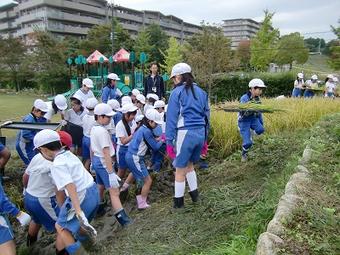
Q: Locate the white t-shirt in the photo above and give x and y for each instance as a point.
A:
(298, 84)
(100, 139)
(75, 118)
(330, 87)
(121, 131)
(40, 183)
(84, 96)
(50, 111)
(67, 168)
(88, 123)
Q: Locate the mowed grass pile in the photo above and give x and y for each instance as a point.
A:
(300, 113)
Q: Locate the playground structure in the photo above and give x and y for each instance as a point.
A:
(97, 67)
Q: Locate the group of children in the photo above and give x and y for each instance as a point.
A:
(307, 88)
(63, 193)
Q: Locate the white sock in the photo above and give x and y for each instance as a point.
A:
(179, 189)
(192, 180)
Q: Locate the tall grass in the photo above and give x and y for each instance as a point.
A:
(300, 113)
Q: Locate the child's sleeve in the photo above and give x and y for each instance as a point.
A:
(172, 117)
(61, 177)
(149, 138)
(6, 206)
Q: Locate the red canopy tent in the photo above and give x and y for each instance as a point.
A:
(95, 56)
(121, 56)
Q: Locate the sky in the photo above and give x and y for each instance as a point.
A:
(309, 17)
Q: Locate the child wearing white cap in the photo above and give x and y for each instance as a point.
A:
(299, 84)
(151, 99)
(110, 91)
(73, 180)
(248, 121)
(124, 131)
(88, 123)
(57, 105)
(140, 102)
(142, 139)
(103, 151)
(74, 119)
(24, 139)
(85, 91)
(186, 130)
(7, 244)
(134, 94)
(330, 86)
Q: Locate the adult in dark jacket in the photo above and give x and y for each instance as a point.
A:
(154, 83)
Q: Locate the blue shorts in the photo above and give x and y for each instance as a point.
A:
(121, 156)
(102, 176)
(137, 166)
(2, 147)
(189, 144)
(44, 211)
(6, 232)
(89, 206)
(86, 147)
(25, 150)
(296, 92)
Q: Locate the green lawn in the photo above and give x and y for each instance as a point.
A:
(315, 64)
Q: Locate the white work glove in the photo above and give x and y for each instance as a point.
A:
(63, 123)
(84, 223)
(114, 180)
(23, 218)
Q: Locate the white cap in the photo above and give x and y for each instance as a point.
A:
(103, 109)
(139, 118)
(152, 95)
(256, 83)
(314, 77)
(40, 105)
(141, 98)
(330, 76)
(76, 96)
(45, 136)
(126, 100)
(113, 76)
(91, 103)
(300, 75)
(180, 68)
(135, 92)
(159, 104)
(61, 102)
(88, 83)
(128, 108)
(154, 115)
(114, 104)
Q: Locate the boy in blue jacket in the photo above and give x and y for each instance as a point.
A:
(248, 121)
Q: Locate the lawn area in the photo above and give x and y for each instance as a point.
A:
(315, 64)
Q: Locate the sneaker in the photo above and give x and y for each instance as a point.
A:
(244, 158)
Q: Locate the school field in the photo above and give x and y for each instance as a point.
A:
(238, 199)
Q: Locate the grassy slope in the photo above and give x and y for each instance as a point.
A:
(315, 228)
(314, 62)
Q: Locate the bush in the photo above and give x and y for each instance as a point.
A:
(233, 86)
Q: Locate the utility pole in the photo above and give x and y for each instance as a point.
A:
(111, 5)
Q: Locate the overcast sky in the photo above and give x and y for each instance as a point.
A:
(304, 16)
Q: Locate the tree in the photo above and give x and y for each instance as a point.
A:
(172, 55)
(263, 45)
(315, 44)
(291, 48)
(49, 63)
(159, 39)
(142, 43)
(12, 55)
(243, 54)
(334, 61)
(208, 53)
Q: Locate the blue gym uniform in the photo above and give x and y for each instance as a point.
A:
(2, 147)
(187, 123)
(24, 141)
(109, 93)
(117, 117)
(6, 207)
(86, 144)
(157, 156)
(142, 139)
(248, 121)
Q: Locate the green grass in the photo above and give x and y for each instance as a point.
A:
(315, 227)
